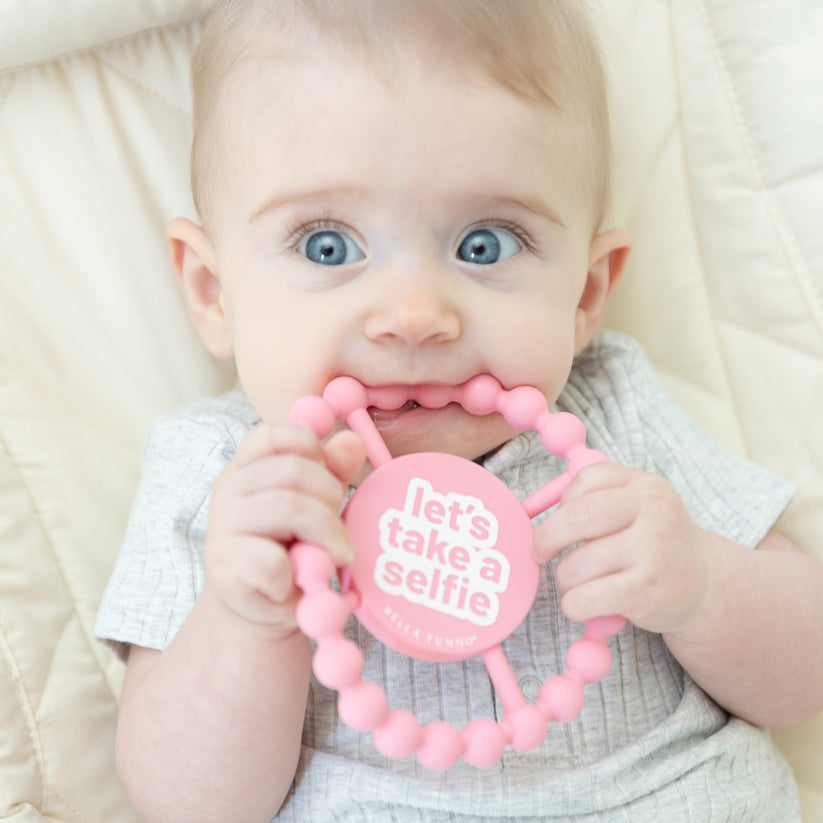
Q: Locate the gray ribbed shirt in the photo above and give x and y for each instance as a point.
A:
(650, 746)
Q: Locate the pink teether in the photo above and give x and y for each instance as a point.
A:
(444, 571)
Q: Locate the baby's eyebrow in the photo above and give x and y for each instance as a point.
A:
(531, 203)
(328, 195)
(324, 195)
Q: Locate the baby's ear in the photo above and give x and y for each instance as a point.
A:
(607, 258)
(193, 258)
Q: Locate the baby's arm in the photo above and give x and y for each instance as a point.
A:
(210, 728)
(746, 625)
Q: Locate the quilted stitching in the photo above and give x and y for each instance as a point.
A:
(39, 631)
(41, 31)
(26, 713)
(801, 264)
(6, 82)
(142, 87)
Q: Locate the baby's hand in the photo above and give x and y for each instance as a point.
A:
(281, 486)
(640, 555)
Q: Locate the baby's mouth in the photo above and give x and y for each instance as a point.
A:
(402, 408)
(387, 415)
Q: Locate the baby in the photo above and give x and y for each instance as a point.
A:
(412, 192)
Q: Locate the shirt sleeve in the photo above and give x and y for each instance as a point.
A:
(633, 418)
(160, 570)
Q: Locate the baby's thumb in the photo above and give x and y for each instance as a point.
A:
(345, 453)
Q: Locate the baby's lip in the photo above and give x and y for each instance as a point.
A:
(384, 415)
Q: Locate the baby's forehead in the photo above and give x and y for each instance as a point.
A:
(532, 61)
(270, 76)
(272, 87)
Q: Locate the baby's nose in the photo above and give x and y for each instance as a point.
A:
(416, 312)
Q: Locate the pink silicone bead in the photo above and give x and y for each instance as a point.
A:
(315, 413)
(589, 658)
(483, 742)
(581, 457)
(338, 663)
(399, 735)
(435, 397)
(322, 614)
(480, 394)
(602, 627)
(561, 698)
(363, 706)
(388, 397)
(311, 564)
(344, 395)
(528, 727)
(523, 406)
(561, 432)
(441, 746)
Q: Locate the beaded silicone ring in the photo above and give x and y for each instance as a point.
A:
(429, 579)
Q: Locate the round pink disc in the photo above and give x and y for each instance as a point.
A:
(444, 566)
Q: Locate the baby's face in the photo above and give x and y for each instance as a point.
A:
(420, 231)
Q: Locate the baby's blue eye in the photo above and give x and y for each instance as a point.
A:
(488, 245)
(330, 248)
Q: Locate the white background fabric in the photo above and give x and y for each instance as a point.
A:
(718, 114)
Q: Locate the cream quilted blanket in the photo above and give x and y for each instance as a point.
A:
(719, 139)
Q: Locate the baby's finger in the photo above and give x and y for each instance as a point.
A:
(285, 515)
(597, 598)
(588, 561)
(290, 471)
(284, 438)
(598, 476)
(594, 515)
(345, 453)
(265, 568)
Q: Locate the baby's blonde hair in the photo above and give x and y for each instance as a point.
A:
(545, 51)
